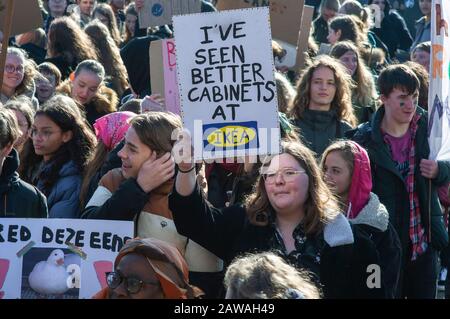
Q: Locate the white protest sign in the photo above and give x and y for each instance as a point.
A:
(39, 259)
(226, 79)
(439, 91)
(285, 21)
(160, 12)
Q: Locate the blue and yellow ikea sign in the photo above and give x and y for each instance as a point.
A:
(236, 135)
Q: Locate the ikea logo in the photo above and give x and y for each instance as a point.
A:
(231, 135)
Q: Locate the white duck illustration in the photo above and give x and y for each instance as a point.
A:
(50, 277)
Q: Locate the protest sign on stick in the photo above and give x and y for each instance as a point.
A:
(25, 17)
(305, 30)
(58, 258)
(226, 80)
(14, 20)
(163, 73)
(285, 21)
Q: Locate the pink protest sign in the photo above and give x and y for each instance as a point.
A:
(170, 77)
(163, 73)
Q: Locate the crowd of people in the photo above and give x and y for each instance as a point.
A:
(82, 135)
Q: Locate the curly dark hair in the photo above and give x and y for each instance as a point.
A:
(64, 112)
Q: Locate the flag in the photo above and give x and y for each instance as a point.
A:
(438, 97)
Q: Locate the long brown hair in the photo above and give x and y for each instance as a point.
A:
(351, 27)
(110, 57)
(67, 39)
(106, 10)
(130, 9)
(320, 206)
(342, 102)
(64, 112)
(364, 93)
(95, 163)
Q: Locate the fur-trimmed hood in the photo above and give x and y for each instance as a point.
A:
(105, 101)
(373, 214)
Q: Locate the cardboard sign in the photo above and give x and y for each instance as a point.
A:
(58, 258)
(439, 91)
(226, 80)
(302, 46)
(163, 73)
(160, 12)
(285, 15)
(24, 20)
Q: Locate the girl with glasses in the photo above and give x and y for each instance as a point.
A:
(64, 141)
(291, 211)
(17, 76)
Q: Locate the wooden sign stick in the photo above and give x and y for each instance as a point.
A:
(6, 33)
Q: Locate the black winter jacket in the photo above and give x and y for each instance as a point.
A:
(390, 187)
(17, 198)
(374, 220)
(228, 233)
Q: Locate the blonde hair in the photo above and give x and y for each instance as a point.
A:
(342, 102)
(267, 276)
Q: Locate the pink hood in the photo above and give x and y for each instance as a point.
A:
(361, 185)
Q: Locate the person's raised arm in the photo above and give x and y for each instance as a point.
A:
(182, 153)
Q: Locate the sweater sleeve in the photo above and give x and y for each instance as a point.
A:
(125, 203)
(215, 229)
(443, 174)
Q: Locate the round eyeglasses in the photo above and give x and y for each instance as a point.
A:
(132, 285)
(288, 175)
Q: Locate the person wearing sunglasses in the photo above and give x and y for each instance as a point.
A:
(291, 211)
(149, 269)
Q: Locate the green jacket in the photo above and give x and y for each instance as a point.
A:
(17, 198)
(390, 187)
(318, 129)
